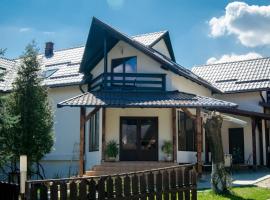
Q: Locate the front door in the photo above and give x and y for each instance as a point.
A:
(139, 138)
(236, 144)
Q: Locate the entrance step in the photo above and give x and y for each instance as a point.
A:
(109, 168)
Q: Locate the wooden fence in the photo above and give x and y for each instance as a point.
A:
(170, 183)
(9, 191)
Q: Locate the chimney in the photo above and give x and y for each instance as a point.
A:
(49, 49)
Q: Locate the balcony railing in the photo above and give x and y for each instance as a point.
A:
(129, 82)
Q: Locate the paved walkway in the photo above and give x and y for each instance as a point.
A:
(261, 177)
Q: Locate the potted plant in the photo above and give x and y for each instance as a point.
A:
(167, 149)
(112, 150)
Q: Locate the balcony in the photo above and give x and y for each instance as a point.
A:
(129, 82)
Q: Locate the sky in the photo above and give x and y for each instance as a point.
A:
(201, 31)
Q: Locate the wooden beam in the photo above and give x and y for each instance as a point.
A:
(199, 140)
(174, 135)
(103, 148)
(253, 124)
(82, 135)
(185, 110)
(93, 112)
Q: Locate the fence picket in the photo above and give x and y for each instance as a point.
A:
(127, 186)
(82, 189)
(101, 189)
(54, 191)
(159, 186)
(194, 184)
(63, 191)
(73, 191)
(166, 185)
(92, 189)
(151, 184)
(180, 182)
(118, 187)
(33, 192)
(135, 186)
(43, 192)
(186, 183)
(143, 192)
(173, 184)
(110, 188)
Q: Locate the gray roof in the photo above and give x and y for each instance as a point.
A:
(149, 38)
(66, 62)
(145, 99)
(238, 76)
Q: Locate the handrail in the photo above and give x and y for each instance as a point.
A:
(139, 81)
(113, 175)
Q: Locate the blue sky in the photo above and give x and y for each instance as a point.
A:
(194, 38)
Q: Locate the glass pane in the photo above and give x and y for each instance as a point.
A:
(148, 140)
(131, 65)
(129, 134)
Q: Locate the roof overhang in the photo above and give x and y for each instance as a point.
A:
(171, 99)
(244, 113)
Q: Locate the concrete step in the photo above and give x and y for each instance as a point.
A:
(109, 168)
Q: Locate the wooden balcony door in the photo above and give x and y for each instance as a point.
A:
(138, 138)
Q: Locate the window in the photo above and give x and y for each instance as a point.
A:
(94, 133)
(186, 132)
(48, 73)
(124, 65)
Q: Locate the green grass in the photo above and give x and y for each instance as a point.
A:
(237, 193)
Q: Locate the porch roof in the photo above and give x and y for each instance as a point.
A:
(120, 99)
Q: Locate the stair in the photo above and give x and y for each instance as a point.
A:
(109, 168)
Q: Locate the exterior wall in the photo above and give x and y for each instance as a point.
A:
(146, 64)
(247, 137)
(161, 47)
(246, 101)
(164, 123)
(63, 159)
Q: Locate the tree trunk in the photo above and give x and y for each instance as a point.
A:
(219, 176)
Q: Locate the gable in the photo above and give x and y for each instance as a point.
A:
(161, 47)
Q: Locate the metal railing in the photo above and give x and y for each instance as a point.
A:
(129, 81)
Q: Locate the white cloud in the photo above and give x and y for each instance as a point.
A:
(24, 29)
(115, 4)
(233, 57)
(249, 23)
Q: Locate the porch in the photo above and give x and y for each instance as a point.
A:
(143, 109)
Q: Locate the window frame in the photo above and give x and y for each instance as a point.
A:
(124, 59)
(93, 133)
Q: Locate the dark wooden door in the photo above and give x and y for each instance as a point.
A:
(139, 139)
(236, 144)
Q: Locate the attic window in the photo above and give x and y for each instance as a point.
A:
(48, 73)
(225, 81)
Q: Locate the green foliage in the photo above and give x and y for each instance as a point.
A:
(237, 193)
(32, 135)
(112, 149)
(167, 147)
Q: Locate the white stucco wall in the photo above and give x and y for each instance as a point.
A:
(164, 123)
(63, 159)
(161, 47)
(246, 101)
(145, 64)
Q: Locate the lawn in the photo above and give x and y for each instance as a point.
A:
(237, 193)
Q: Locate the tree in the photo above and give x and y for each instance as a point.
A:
(33, 135)
(219, 177)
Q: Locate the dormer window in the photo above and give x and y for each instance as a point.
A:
(124, 65)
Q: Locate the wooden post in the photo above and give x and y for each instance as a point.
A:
(199, 140)
(254, 142)
(82, 134)
(174, 137)
(103, 133)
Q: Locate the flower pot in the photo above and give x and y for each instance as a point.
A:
(111, 159)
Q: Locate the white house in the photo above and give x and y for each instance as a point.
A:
(130, 89)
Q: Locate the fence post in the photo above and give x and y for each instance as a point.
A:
(23, 175)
